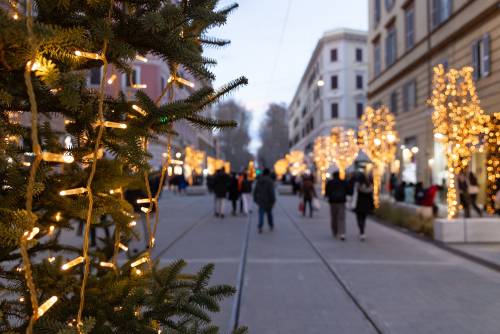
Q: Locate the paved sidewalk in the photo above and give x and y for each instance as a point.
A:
(402, 284)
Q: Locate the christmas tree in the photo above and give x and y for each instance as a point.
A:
(69, 155)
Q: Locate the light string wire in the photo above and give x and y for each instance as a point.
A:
(31, 181)
(88, 223)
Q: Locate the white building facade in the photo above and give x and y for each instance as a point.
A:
(332, 91)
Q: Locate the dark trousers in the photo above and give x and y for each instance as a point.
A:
(465, 201)
(337, 215)
(269, 214)
(235, 204)
(473, 198)
(361, 218)
(308, 202)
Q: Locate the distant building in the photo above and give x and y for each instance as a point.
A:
(332, 91)
(406, 40)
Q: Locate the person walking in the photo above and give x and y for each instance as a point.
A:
(220, 186)
(308, 193)
(265, 197)
(336, 193)
(363, 197)
(246, 190)
(234, 193)
(473, 192)
(463, 188)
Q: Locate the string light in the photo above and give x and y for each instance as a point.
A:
(378, 139)
(139, 86)
(75, 191)
(73, 263)
(141, 58)
(139, 262)
(144, 200)
(51, 259)
(115, 191)
(56, 157)
(492, 132)
(123, 247)
(458, 123)
(30, 235)
(111, 79)
(145, 210)
(181, 81)
(115, 125)
(139, 109)
(107, 264)
(132, 223)
(46, 306)
(89, 55)
(296, 162)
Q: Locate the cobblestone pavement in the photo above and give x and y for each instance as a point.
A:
(298, 279)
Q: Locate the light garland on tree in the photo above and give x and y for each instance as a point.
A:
(251, 173)
(458, 123)
(492, 131)
(193, 162)
(344, 148)
(281, 167)
(378, 138)
(321, 154)
(296, 162)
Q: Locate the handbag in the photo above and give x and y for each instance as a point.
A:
(301, 206)
(316, 204)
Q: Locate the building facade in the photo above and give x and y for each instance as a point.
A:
(407, 38)
(332, 91)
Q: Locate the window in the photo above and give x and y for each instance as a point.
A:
(162, 82)
(131, 79)
(394, 102)
(316, 94)
(95, 76)
(377, 61)
(335, 110)
(335, 82)
(410, 26)
(481, 57)
(359, 81)
(359, 109)
(377, 11)
(333, 55)
(389, 4)
(295, 123)
(390, 46)
(410, 95)
(304, 112)
(359, 55)
(441, 11)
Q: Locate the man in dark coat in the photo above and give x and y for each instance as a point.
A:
(336, 191)
(265, 198)
(220, 185)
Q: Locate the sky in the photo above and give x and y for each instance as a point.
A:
(271, 44)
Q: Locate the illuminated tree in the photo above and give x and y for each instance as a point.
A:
(193, 162)
(251, 173)
(321, 154)
(493, 159)
(343, 148)
(378, 139)
(458, 123)
(296, 163)
(280, 167)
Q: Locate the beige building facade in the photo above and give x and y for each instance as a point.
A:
(407, 38)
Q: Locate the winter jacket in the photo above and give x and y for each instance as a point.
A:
(264, 194)
(221, 184)
(234, 192)
(336, 191)
(364, 202)
(308, 191)
(246, 186)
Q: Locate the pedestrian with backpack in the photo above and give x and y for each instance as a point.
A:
(336, 193)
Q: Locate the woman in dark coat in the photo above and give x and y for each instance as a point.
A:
(308, 193)
(364, 202)
(234, 192)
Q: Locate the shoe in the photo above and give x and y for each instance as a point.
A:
(222, 216)
(362, 237)
(259, 231)
(271, 228)
(342, 237)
